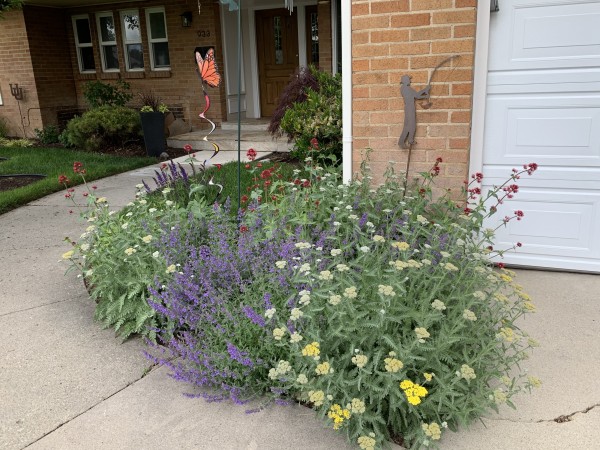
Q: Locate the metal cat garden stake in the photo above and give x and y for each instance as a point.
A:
(407, 138)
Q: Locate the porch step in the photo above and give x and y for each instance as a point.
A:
(261, 141)
(246, 125)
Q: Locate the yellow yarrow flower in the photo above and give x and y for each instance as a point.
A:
(467, 372)
(393, 365)
(360, 360)
(323, 368)
(68, 255)
(357, 406)
(130, 251)
(366, 443)
(535, 382)
(147, 239)
(428, 376)
(402, 246)
(278, 333)
(413, 392)
(432, 430)
(171, 268)
(422, 334)
(316, 397)
(338, 415)
(311, 349)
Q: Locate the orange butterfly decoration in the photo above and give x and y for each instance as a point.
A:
(207, 68)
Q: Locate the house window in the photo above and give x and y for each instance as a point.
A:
(132, 40)
(157, 39)
(83, 44)
(107, 37)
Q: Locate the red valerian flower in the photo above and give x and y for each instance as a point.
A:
(265, 174)
(77, 167)
(219, 166)
(306, 184)
(519, 244)
(467, 211)
(297, 182)
(500, 265)
(314, 143)
(243, 229)
(163, 166)
(85, 194)
(519, 214)
(62, 179)
(439, 159)
(94, 187)
(268, 183)
(477, 177)
(530, 168)
(259, 165)
(244, 198)
(188, 148)
(251, 154)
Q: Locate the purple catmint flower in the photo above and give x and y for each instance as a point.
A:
(253, 316)
(237, 355)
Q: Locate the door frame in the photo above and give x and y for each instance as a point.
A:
(480, 70)
(253, 103)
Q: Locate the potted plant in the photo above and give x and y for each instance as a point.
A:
(152, 116)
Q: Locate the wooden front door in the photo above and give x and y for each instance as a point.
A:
(277, 45)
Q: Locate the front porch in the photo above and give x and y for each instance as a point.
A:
(254, 135)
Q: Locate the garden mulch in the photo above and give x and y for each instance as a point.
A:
(66, 383)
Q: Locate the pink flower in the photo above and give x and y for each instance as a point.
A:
(314, 143)
(251, 154)
(62, 179)
(187, 148)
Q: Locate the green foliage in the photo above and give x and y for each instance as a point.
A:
(404, 326)
(9, 5)
(103, 126)
(318, 116)
(15, 143)
(119, 265)
(48, 135)
(98, 94)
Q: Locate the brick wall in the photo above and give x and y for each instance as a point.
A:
(325, 41)
(16, 67)
(180, 87)
(410, 37)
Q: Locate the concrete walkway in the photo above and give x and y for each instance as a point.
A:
(67, 384)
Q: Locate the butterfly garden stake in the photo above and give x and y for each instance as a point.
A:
(209, 77)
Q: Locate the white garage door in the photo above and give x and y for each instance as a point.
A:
(543, 106)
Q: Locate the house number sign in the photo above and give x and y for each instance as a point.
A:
(203, 33)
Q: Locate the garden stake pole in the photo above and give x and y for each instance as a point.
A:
(239, 95)
(410, 146)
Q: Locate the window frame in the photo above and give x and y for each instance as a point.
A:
(151, 41)
(78, 45)
(102, 43)
(122, 15)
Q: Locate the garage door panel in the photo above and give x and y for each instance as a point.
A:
(557, 224)
(551, 35)
(543, 106)
(548, 130)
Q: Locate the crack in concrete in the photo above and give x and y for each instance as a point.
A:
(560, 419)
(36, 307)
(131, 383)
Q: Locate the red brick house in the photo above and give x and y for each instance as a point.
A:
(525, 87)
(53, 47)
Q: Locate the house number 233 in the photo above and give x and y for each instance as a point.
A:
(204, 33)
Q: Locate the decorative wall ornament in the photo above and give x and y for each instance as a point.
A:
(410, 96)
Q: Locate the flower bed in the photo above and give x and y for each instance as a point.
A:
(378, 307)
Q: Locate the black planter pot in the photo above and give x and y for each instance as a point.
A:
(153, 126)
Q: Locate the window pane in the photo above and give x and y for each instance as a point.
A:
(157, 25)
(107, 29)
(135, 56)
(131, 24)
(161, 54)
(314, 38)
(83, 31)
(277, 39)
(111, 58)
(87, 58)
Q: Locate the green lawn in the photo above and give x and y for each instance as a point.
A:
(53, 162)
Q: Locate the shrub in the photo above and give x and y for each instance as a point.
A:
(15, 142)
(97, 93)
(103, 126)
(48, 135)
(377, 307)
(3, 128)
(312, 109)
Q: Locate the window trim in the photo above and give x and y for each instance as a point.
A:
(78, 45)
(102, 43)
(151, 41)
(122, 14)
